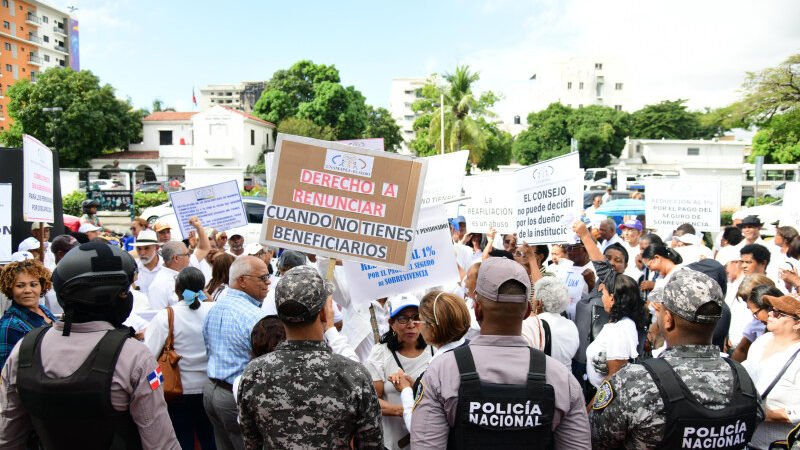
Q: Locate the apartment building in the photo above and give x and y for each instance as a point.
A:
(33, 38)
(404, 92)
(579, 82)
(240, 96)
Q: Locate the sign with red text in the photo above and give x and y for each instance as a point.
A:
(339, 201)
(37, 201)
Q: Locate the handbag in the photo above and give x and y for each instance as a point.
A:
(168, 361)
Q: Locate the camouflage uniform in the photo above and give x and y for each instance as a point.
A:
(302, 395)
(628, 410)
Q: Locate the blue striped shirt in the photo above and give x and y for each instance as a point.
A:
(15, 324)
(226, 332)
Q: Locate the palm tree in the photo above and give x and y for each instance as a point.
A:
(461, 129)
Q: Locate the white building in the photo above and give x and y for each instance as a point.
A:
(404, 92)
(579, 82)
(700, 159)
(241, 96)
(214, 145)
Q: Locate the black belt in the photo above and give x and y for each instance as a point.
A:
(219, 383)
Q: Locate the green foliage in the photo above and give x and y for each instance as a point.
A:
(779, 140)
(143, 200)
(765, 200)
(380, 124)
(773, 91)
(421, 144)
(498, 146)
(547, 135)
(260, 191)
(671, 119)
(72, 203)
(307, 128)
(726, 217)
(92, 120)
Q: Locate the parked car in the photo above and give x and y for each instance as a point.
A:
(152, 213)
(777, 191)
(253, 206)
(151, 186)
(615, 195)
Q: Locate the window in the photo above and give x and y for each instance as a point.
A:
(5, 3)
(580, 85)
(618, 87)
(252, 137)
(62, 63)
(45, 19)
(165, 137)
(617, 107)
(598, 66)
(6, 25)
(691, 151)
(46, 38)
(255, 212)
(580, 106)
(569, 84)
(8, 47)
(46, 58)
(8, 68)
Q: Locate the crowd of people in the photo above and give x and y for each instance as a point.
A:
(622, 337)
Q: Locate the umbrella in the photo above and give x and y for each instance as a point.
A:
(622, 207)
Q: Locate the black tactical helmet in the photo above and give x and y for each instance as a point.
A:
(91, 277)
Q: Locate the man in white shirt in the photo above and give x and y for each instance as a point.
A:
(608, 234)
(236, 245)
(751, 231)
(162, 290)
(288, 260)
(631, 231)
(148, 261)
(597, 200)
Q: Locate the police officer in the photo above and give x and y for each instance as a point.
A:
(688, 398)
(84, 383)
(497, 392)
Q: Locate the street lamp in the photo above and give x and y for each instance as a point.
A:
(441, 123)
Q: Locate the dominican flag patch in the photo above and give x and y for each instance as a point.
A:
(155, 378)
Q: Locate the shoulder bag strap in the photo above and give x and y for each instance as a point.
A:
(397, 360)
(780, 374)
(548, 348)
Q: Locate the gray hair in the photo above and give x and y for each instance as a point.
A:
(172, 249)
(239, 268)
(552, 294)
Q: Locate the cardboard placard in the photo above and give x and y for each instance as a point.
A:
(444, 178)
(546, 193)
(433, 263)
(673, 202)
(218, 206)
(343, 202)
(491, 203)
(37, 203)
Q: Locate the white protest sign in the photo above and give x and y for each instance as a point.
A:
(37, 193)
(218, 206)
(545, 193)
(791, 196)
(269, 160)
(491, 203)
(5, 223)
(367, 144)
(444, 177)
(672, 202)
(433, 263)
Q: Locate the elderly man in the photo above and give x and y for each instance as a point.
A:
(161, 292)
(164, 232)
(226, 331)
(149, 262)
(236, 245)
(608, 234)
(41, 231)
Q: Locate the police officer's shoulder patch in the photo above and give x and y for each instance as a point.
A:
(604, 396)
(418, 394)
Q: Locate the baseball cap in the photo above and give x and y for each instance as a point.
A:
(400, 302)
(253, 248)
(146, 237)
(632, 224)
(689, 239)
(37, 225)
(87, 227)
(28, 244)
(301, 294)
(496, 271)
(290, 259)
(786, 304)
(686, 292)
(21, 256)
(161, 226)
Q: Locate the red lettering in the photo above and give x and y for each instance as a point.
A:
(306, 176)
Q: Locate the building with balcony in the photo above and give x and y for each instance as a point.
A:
(240, 96)
(199, 148)
(33, 38)
(580, 82)
(404, 92)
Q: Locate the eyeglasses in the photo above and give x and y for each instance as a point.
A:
(263, 278)
(508, 241)
(405, 320)
(780, 314)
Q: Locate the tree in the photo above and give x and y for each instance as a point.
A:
(498, 146)
(380, 124)
(772, 91)
(420, 145)
(779, 141)
(92, 120)
(342, 108)
(669, 119)
(600, 132)
(307, 128)
(547, 135)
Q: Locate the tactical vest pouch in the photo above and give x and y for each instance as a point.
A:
(691, 425)
(492, 415)
(76, 411)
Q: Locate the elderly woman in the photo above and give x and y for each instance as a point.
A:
(25, 283)
(773, 365)
(546, 328)
(751, 292)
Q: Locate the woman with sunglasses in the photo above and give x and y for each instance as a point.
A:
(751, 291)
(401, 348)
(775, 369)
(25, 283)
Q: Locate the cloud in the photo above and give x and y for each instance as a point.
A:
(697, 50)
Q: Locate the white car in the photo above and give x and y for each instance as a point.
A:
(152, 213)
(253, 207)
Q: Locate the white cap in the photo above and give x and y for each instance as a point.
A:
(21, 256)
(253, 248)
(727, 254)
(87, 227)
(30, 243)
(400, 302)
(689, 238)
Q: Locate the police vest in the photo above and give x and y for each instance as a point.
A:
(502, 416)
(691, 425)
(76, 411)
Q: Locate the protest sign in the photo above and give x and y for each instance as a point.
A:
(343, 202)
(367, 144)
(791, 196)
(546, 192)
(5, 223)
(491, 203)
(444, 177)
(218, 206)
(37, 193)
(672, 202)
(433, 263)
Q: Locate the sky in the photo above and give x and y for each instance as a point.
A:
(698, 50)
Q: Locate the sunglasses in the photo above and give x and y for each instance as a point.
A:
(781, 314)
(263, 278)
